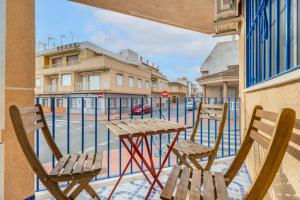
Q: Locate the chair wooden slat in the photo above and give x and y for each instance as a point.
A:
(266, 128)
(195, 192)
(89, 162)
(212, 112)
(260, 139)
(297, 124)
(216, 106)
(69, 167)
(221, 189)
(208, 186)
(295, 138)
(27, 110)
(182, 187)
(60, 165)
(271, 116)
(32, 127)
(171, 183)
(98, 161)
(211, 117)
(31, 119)
(80, 163)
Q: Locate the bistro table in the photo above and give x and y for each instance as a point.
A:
(128, 130)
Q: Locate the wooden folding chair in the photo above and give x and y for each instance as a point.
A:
(271, 131)
(193, 150)
(77, 168)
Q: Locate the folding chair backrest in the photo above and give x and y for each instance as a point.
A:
(216, 112)
(25, 121)
(273, 132)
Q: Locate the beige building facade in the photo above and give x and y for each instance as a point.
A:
(85, 70)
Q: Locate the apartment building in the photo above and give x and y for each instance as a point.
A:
(84, 69)
(177, 89)
(159, 82)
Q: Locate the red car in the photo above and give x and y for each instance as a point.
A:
(137, 110)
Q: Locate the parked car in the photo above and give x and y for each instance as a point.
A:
(137, 110)
(190, 105)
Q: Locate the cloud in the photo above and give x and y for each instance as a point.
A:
(146, 37)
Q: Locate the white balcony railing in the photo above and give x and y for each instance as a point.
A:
(51, 88)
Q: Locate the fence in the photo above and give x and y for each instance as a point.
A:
(79, 127)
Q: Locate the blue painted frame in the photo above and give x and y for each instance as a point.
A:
(258, 30)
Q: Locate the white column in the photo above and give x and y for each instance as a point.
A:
(225, 89)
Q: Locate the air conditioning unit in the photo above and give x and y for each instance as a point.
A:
(227, 17)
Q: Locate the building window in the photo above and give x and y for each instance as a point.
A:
(57, 61)
(74, 103)
(38, 82)
(59, 103)
(161, 86)
(273, 38)
(140, 83)
(147, 85)
(120, 80)
(66, 79)
(94, 82)
(131, 82)
(72, 60)
(45, 102)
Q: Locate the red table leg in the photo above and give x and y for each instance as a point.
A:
(145, 162)
(156, 180)
(137, 143)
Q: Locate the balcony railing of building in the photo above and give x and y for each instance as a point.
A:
(51, 88)
(77, 125)
(84, 86)
(61, 64)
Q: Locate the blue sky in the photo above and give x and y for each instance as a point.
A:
(176, 51)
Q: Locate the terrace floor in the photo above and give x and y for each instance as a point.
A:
(134, 187)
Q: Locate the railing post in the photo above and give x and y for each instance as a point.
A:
(108, 139)
(82, 124)
(53, 125)
(37, 146)
(68, 124)
(96, 124)
(229, 121)
(120, 145)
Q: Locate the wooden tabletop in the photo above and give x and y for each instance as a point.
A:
(138, 127)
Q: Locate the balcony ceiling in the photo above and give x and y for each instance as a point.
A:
(196, 15)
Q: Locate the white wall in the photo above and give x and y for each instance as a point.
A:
(2, 56)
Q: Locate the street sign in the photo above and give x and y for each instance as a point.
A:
(100, 94)
(165, 93)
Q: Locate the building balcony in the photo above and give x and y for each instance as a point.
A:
(81, 128)
(86, 86)
(50, 88)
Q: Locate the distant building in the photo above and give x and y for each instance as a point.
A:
(85, 69)
(220, 71)
(159, 82)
